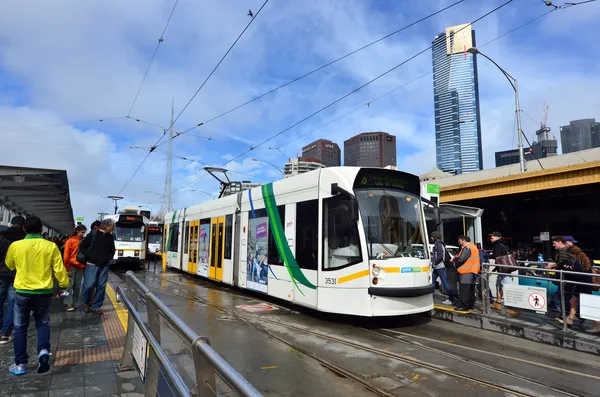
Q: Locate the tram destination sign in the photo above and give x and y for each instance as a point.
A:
(391, 179)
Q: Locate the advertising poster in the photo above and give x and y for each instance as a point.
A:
(257, 270)
(203, 249)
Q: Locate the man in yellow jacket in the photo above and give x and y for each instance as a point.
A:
(34, 259)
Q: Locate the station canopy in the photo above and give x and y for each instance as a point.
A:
(40, 192)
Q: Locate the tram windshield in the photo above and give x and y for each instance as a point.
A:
(154, 238)
(393, 223)
(129, 233)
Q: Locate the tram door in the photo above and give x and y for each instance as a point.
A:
(193, 247)
(217, 235)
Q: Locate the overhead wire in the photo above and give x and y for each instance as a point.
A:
(160, 41)
(351, 92)
(100, 120)
(323, 66)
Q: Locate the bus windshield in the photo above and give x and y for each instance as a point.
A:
(129, 233)
(393, 223)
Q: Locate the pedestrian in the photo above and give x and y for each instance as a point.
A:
(561, 259)
(14, 233)
(98, 248)
(468, 266)
(502, 256)
(94, 226)
(75, 269)
(438, 264)
(35, 260)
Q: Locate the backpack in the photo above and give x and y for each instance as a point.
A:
(448, 264)
(80, 257)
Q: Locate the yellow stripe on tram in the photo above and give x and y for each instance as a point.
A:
(391, 269)
(353, 276)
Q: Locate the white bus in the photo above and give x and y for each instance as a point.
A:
(344, 240)
(130, 235)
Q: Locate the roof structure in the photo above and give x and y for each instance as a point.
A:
(40, 192)
(565, 160)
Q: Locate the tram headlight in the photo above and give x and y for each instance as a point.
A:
(120, 252)
(137, 253)
(375, 271)
(375, 280)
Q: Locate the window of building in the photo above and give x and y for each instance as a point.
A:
(307, 234)
(341, 245)
(228, 236)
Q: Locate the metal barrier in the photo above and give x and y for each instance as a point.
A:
(487, 273)
(206, 360)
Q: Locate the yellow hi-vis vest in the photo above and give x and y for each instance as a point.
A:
(473, 264)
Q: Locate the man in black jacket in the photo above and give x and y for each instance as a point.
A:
(499, 249)
(98, 247)
(14, 233)
(438, 256)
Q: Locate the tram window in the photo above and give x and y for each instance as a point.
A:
(341, 245)
(307, 234)
(186, 231)
(174, 237)
(274, 257)
(228, 235)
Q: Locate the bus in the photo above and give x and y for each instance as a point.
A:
(154, 238)
(130, 234)
(345, 240)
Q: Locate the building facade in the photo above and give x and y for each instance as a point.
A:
(370, 149)
(507, 157)
(324, 152)
(580, 135)
(300, 165)
(456, 102)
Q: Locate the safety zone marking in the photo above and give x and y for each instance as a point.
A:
(259, 307)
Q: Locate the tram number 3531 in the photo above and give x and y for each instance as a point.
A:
(330, 280)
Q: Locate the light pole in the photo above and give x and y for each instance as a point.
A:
(515, 86)
(116, 200)
(271, 164)
(102, 215)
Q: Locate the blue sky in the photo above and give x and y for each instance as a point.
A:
(72, 61)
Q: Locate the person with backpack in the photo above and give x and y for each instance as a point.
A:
(97, 250)
(75, 269)
(7, 277)
(440, 258)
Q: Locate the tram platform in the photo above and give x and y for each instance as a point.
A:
(85, 349)
(286, 350)
(541, 328)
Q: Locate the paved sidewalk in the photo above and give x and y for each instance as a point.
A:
(86, 351)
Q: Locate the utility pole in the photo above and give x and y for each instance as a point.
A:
(167, 203)
(102, 215)
(116, 200)
(522, 166)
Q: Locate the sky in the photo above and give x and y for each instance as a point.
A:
(66, 65)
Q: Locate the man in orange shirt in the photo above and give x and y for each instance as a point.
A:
(75, 269)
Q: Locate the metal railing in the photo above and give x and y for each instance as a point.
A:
(206, 360)
(486, 272)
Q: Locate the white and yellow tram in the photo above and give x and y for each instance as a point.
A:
(344, 240)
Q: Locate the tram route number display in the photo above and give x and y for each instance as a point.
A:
(140, 351)
(525, 297)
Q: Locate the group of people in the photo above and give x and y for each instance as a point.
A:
(30, 264)
(468, 262)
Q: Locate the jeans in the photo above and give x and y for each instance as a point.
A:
(95, 277)
(75, 285)
(444, 278)
(7, 292)
(40, 306)
(466, 291)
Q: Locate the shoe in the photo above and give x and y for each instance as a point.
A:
(595, 330)
(43, 362)
(447, 302)
(4, 339)
(70, 308)
(497, 306)
(97, 312)
(86, 309)
(20, 369)
(461, 309)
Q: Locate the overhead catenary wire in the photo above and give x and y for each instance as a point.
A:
(99, 120)
(160, 41)
(350, 93)
(322, 67)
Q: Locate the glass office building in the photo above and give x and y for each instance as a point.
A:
(456, 102)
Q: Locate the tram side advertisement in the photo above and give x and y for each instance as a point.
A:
(258, 242)
(203, 250)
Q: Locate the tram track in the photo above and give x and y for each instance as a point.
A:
(388, 334)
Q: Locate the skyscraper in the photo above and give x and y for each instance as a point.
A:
(580, 135)
(456, 101)
(370, 149)
(324, 151)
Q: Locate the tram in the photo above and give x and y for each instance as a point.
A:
(345, 240)
(154, 238)
(130, 235)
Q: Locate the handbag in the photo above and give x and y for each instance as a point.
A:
(507, 259)
(80, 257)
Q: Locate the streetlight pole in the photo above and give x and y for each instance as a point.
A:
(514, 84)
(116, 200)
(271, 164)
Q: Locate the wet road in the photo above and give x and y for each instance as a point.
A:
(293, 351)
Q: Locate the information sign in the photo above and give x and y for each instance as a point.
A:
(544, 236)
(140, 350)
(589, 306)
(525, 297)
